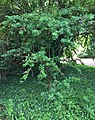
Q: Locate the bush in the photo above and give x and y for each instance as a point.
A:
(40, 39)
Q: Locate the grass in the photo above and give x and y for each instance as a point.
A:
(71, 99)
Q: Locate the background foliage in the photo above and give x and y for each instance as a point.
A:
(34, 36)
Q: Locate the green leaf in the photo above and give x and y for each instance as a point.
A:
(21, 32)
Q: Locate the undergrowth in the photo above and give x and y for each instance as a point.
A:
(69, 98)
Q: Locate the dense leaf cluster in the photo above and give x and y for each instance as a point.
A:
(39, 39)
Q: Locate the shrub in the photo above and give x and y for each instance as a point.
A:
(40, 39)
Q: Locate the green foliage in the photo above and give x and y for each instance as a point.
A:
(12, 7)
(53, 28)
(35, 35)
(47, 67)
(71, 98)
(89, 52)
(40, 39)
